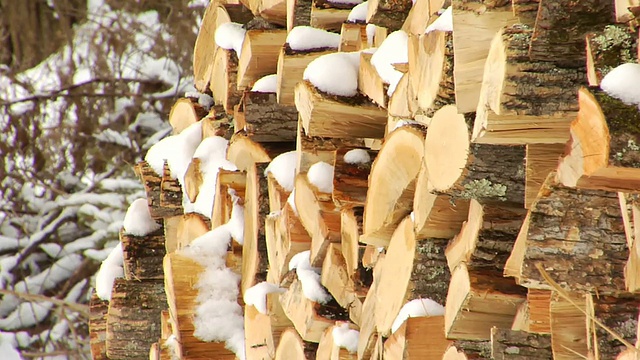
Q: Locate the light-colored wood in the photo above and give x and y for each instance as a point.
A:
(274, 11)
(323, 116)
(262, 331)
(350, 181)
(291, 346)
(370, 83)
(538, 302)
(339, 283)
(350, 229)
(417, 338)
(184, 112)
(256, 208)
(420, 16)
(312, 149)
(205, 48)
(244, 152)
(541, 159)
(222, 204)
(631, 218)
(286, 237)
(401, 104)
(623, 14)
(368, 333)
(193, 180)
(190, 227)
(328, 18)
(329, 350)
(290, 68)
(392, 184)
(353, 37)
(259, 56)
(568, 327)
(223, 83)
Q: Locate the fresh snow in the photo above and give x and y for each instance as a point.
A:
(177, 150)
(357, 156)
(111, 268)
(393, 50)
(417, 308)
(443, 23)
(257, 295)
(345, 337)
(371, 33)
(235, 224)
(230, 36)
(307, 38)
(138, 220)
(359, 13)
(8, 346)
(204, 100)
(283, 168)
(300, 260)
(209, 249)
(311, 287)
(291, 200)
(623, 83)
(266, 84)
(335, 73)
(320, 175)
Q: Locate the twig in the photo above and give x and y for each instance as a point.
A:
(83, 310)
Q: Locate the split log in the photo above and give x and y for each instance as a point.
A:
(133, 318)
(477, 301)
(274, 11)
(560, 28)
(181, 273)
(475, 27)
(193, 180)
(539, 302)
(259, 56)
(189, 227)
(487, 173)
(256, 208)
(340, 117)
(217, 123)
(392, 184)
(417, 338)
(578, 236)
(388, 13)
(509, 344)
(353, 37)
(223, 204)
(143, 255)
(350, 229)
(602, 152)
(608, 48)
(401, 105)
(291, 65)
(309, 318)
(620, 314)
(291, 346)
(244, 152)
(278, 196)
(205, 48)
(298, 13)
(312, 149)
(630, 208)
(328, 350)
(468, 349)
(506, 112)
(264, 120)
(98, 327)
(320, 218)
(335, 277)
(350, 181)
(368, 332)
(152, 185)
(329, 17)
(263, 331)
(184, 112)
(541, 159)
(370, 83)
(420, 15)
(411, 270)
(223, 83)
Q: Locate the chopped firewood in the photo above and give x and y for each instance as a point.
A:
(259, 56)
(291, 65)
(278, 196)
(98, 327)
(256, 208)
(319, 216)
(244, 152)
(329, 17)
(560, 27)
(370, 83)
(273, 11)
(292, 346)
(309, 317)
(392, 183)
(223, 83)
(189, 227)
(262, 331)
(505, 113)
(298, 13)
(401, 105)
(205, 48)
(478, 300)
(264, 120)
(619, 314)
(511, 345)
(336, 278)
(222, 205)
(217, 123)
(170, 191)
(541, 159)
(312, 149)
(417, 338)
(133, 318)
(538, 302)
(329, 350)
(608, 48)
(526, 11)
(353, 37)
(630, 208)
(350, 181)
(143, 255)
(193, 180)
(325, 115)
(185, 111)
(368, 332)
(584, 226)
(602, 152)
(468, 350)
(420, 15)
(484, 172)
(388, 13)
(411, 270)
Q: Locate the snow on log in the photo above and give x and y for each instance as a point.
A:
(312, 149)
(184, 113)
(608, 48)
(259, 56)
(350, 180)
(205, 49)
(370, 83)
(291, 65)
(353, 37)
(417, 338)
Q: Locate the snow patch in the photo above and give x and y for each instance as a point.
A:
(111, 268)
(335, 73)
(230, 36)
(623, 83)
(393, 50)
(345, 337)
(308, 38)
(283, 168)
(301, 260)
(417, 308)
(359, 13)
(443, 23)
(257, 295)
(357, 156)
(266, 84)
(320, 175)
(311, 287)
(138, 220)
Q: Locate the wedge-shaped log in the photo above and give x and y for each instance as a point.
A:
(340, 285)
(98, 327)
(353, 37)
(223, 83)
(541, 159)
(275, 11)
(244, 152)
(506, 113)
(325, 115)
(484, 172)
(608, 48)
(205, 49)
(309, 318)
(183, 229)
(259, 56)
(350, 181)
(184, 112)
(388, 13)
(286, 237)
(312, 149)
(329, 350)
(181, 273)
(264, 120)
(222, 203)
(474, 31)
(329, 16)
(292, 346)
(477, 301)
(263, 331)
(509, 344)
(392, 184)
(143, 255)
(133, 318)
(319, 217)
(417, 338)
(584, 226)
(370, 83)
(420, 16)
(401, 104)
(152, 183)
(256, 208)
(602, 152)
(291, 65)
(298, 13)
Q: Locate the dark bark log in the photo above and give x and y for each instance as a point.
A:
(607, 48)
(98, 327)
(430, 275)
(152, 185)
(526, 10)
(389, 13)
(266, 120)
(519, 345)
(143, 255)
(620, 314)
(350, 181)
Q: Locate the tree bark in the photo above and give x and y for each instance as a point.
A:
(264, 120)
(519, 345)
(388, 13)
(98, 327)
(143, 255)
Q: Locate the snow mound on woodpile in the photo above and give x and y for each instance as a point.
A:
(111, 268)
(345, 337)
(335, 73)
(443, 23)
(257, 295)
(283, 168)
(393, 50)
(177, 150)
(417, 308)
(266, 84)
(320, 175)
(138, 220)
(357, 156)
(230, 36)
(623, 83)
(307, 38)
(359, 12)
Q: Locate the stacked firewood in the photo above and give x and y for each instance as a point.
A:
(497, 180)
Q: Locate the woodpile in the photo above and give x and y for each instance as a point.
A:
(482, 204)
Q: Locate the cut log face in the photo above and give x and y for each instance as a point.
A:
(602, 152)
(568, 326)
(259, 56)
(205, 49)
(143, 255)
(263, 331)
(223, 204)
(505, 113)
(223, 82)
(244, 152)
(538, 302)
(290, 69)
(275, 11)
(392, 184)
(541, 159)
(339, 283)
(264, 120)
(190, 226)
(292, 346)
(185, 111)
(350, 181)
(417, 338)
(322, 115)
(388, 13)
(508, 344)
(329, 18)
